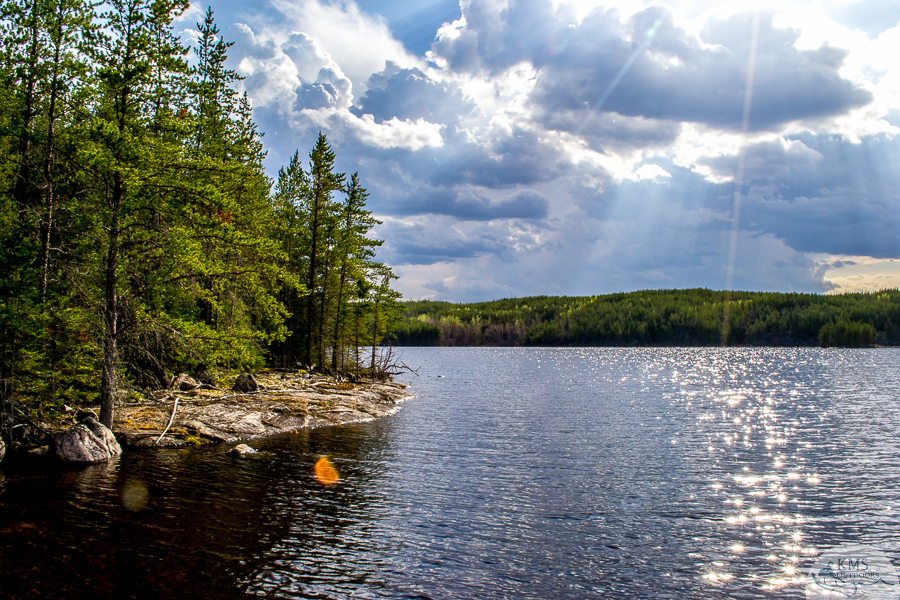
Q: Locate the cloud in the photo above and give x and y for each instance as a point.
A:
(437, 238)
(411, 94)
(360, 43)
(496, 173)
(688, 79)
(470, 204)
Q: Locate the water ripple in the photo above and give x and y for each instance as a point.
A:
(527, 473)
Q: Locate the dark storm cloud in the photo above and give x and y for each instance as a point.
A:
(768, 161)
(842, 221)
(506, 202)
(519, 157)
(497, 37)
(848, 202)
(611, 131)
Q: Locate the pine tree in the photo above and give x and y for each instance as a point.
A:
(134, 55)
(355, 253)
(318, 209)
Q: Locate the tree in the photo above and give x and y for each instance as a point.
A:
(319, 211)
(355, 253)
(138, 232)
(134, 54)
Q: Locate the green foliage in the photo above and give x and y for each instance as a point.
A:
(347, 300)
(847, 335)
(417, 332)
(138, 233)
(662, 318)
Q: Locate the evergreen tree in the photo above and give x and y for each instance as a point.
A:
(134, 55)
(138, 234)
(318, 209)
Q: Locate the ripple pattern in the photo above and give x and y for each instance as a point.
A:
(522, 473)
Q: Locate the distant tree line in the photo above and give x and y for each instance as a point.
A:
(139, 234)
(694, 317)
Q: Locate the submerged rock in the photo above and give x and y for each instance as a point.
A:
(39, 451)
(245, 383)
(241, 450)
(89, 441)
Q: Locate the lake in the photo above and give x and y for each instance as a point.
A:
(521, 473)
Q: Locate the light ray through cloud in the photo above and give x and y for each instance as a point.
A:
(648, 38)
(551, 147)
(741, 161)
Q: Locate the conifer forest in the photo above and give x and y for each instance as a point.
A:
(141, 236)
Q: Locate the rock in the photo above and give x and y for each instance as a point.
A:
(241, 450)
(185, 383)
(89, 441)
(207, 377)
(39, 451)
(2, 448)
(245, 383)
(209, 432)
(165, 442)
(84, 413)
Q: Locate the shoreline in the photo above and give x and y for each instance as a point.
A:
(285, 402)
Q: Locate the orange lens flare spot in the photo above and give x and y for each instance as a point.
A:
(325, 473)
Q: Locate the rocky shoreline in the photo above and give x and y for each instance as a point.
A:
(284, 402)
(257, 406)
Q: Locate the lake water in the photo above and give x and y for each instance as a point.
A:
(522, 473)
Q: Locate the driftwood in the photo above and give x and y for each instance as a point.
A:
(171, 419)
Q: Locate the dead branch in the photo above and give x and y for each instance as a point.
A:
(171, 418)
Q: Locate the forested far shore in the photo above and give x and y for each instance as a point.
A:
(140, 236)
(693, 317)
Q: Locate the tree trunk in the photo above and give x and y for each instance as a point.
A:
(336, 342)
(111, 314)
(24, 178)
(322, 312)
(313, 256)
(374, 337)
(47, 222)
(357, 341)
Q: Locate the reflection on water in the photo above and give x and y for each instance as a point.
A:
(533, 473)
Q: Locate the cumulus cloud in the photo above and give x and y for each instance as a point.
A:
(498, 173)
(685, 78)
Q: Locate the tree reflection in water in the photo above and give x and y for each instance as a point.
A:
(193, 522)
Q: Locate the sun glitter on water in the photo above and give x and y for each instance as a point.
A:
(325, 473)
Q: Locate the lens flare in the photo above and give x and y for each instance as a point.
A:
(325, 473)
(135, 495)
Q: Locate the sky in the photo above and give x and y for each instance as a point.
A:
(526, 147)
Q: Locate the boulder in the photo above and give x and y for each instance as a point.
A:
(207, 377)
(2, 448)
(89, 441)
(185, 383)
(245, 383)
(241, 450)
